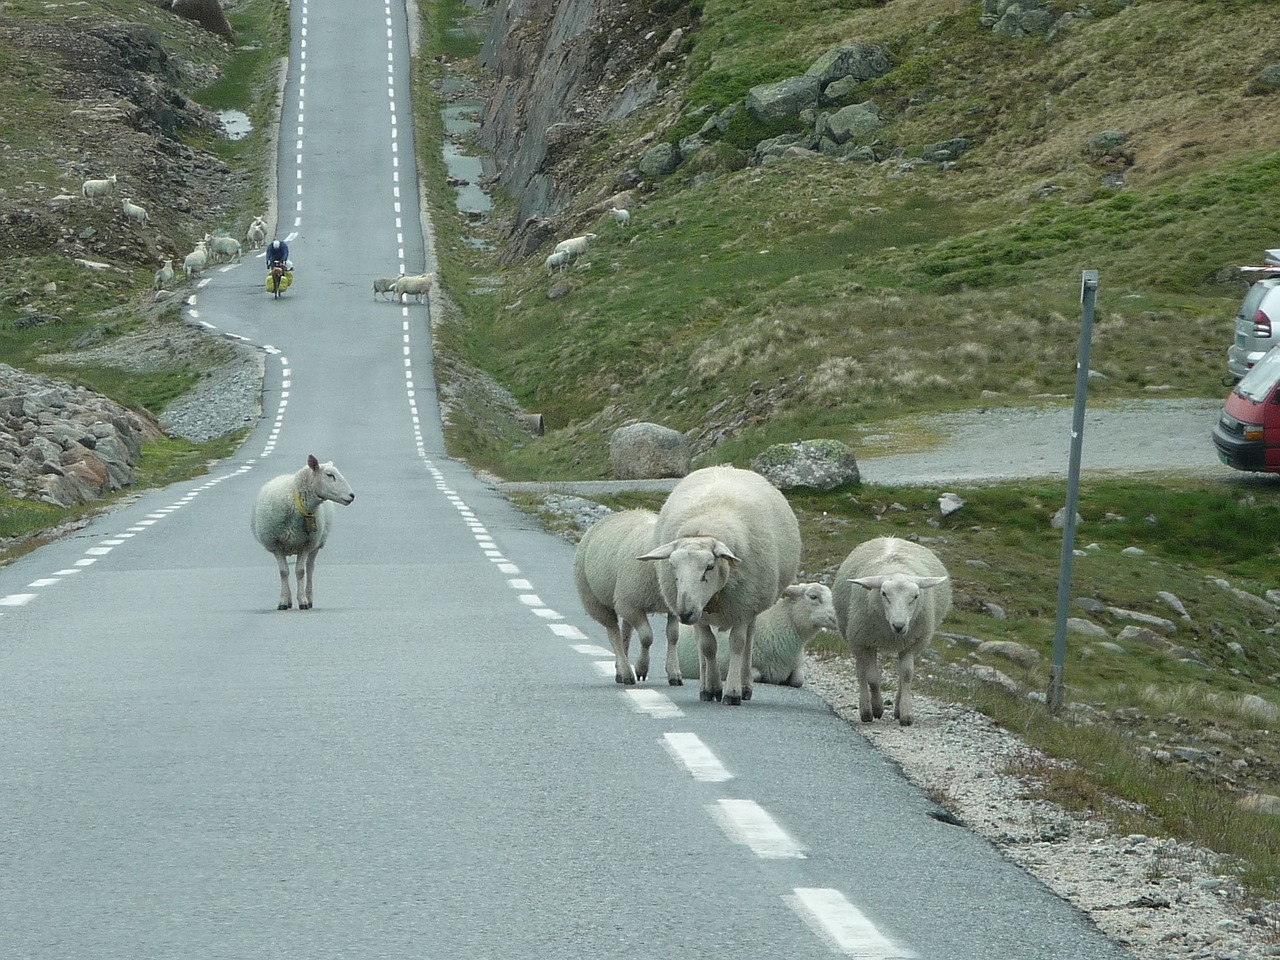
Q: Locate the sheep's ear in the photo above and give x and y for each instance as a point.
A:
(722, 552)
(660, 553)
(869, 583)
(924, 583)
(312, 462)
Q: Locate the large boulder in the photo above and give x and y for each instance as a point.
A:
(815, 464)
(647, 451)
(659, 160)
(771, 102)
(861, 61)
(856, 123)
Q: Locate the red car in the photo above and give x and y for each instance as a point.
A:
(1247, 434)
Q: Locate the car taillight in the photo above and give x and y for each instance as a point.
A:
(1261, 325)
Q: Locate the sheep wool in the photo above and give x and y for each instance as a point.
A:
(292, 516)
(618, 591)
(729, 544)
(783, 633)
(890, 596)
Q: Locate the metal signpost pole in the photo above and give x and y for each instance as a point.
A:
(1088, 297)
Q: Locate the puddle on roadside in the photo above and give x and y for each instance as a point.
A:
(466, 172)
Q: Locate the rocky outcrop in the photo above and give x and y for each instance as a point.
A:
(63, 444)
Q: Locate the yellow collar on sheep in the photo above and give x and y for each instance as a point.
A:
(308, 519)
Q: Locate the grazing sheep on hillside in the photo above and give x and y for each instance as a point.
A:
(620, 217)
(291, 518)
(732, 546)
(575, 246)
(196, 260)
(417, 286)
(223, 247)
(164, 275)
(904, 595)
(782, 634)
(134, 212)
(619, 592)
(382, 286)
(256, 235)
(558, 261)
(91, 190)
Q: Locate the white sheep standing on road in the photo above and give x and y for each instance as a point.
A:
(91, 190)
(417, 286)
(223, 247)
(382, 286)
(292, 517)
(731, 546)
(575, 246)
(890, 595)
(196, 260)
(134, 212)
(256, 235)
(783, 633)
(619, 591)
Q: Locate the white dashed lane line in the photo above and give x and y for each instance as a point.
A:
(829, 913)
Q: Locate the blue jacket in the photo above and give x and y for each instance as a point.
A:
(277, 252)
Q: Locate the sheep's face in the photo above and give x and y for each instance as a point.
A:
(329, 483)
(812, 607)
(701, 567)
(899, 596)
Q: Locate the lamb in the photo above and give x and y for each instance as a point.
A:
(134, 212)
(223, 247)
(620, 217)
(291, 518)
(618, 591)
(382, 285)
(783, 632)
(731, 544)
(906, 593)
(558, 261)
(164, 275)
(575, 246)
(417, 286)
(257, 234)
(92, 189)
(196, 260)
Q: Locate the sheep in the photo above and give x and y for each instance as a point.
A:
(782, 634)
(557, 261)
(382, 285)
(575, 246)
(618, 591)
(196, 260)
(418, 286)
(620, 217)
(92, 189)
(134, 212)
(164, 275)
(906, 593)
(291, 518)
(223, 247)
(732, 546)
(256, 235)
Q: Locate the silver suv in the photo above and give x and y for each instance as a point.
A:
(1257, 326)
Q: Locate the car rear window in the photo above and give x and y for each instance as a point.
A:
(1257, 383)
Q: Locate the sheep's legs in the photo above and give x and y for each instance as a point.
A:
(305, 582)
(708, 670)
(620, 640)
(674, 675)
(902, 702)
(870, 702)
(645, 633)
(738, 682)
(282, 561)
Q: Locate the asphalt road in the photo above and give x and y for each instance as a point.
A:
(434, 762)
